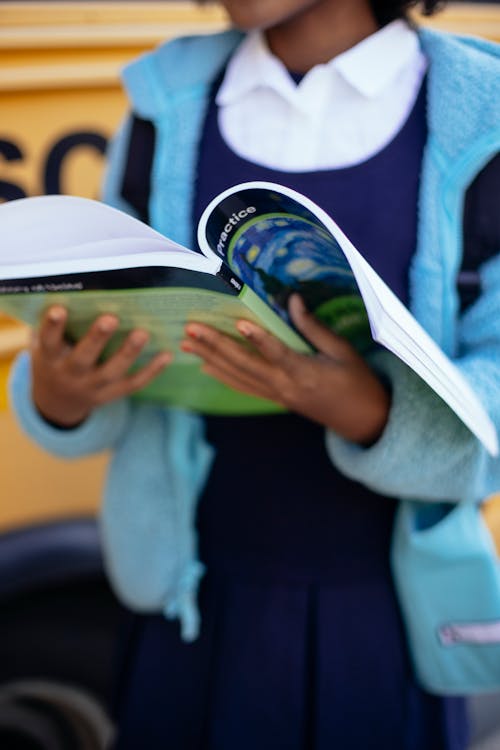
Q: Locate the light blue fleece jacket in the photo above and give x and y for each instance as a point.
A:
(160, 457)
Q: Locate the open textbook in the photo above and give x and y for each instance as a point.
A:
(259, 243)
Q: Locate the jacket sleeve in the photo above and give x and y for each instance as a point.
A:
(426, 452)
(99, 432)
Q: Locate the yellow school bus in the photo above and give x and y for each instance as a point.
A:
(60, 101)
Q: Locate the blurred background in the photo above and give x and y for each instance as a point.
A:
(60, 101)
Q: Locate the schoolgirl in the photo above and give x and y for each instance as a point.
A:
(257, 548)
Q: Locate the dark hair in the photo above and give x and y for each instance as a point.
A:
(389, 10)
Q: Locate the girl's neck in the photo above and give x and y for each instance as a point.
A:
(321, 32)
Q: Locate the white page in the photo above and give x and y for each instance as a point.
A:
(47, 227)
(113, 254)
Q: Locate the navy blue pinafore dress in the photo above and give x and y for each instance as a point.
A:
(302, 645)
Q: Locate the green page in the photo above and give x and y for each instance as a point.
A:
(163, 312)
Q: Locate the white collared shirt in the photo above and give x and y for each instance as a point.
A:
(341, 112)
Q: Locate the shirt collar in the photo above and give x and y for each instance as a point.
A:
(253, 66)
(368, 67)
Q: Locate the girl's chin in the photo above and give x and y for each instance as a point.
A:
(248, 15)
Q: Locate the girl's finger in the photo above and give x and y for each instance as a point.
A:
(137, 380)
(236, 378)
(237, 381)
(50, 336)
(271, 348)
(215, 348)
(122, 360)
(89, 348)
(316, 332)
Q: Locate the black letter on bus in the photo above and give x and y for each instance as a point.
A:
(52, 173)
(9, 191)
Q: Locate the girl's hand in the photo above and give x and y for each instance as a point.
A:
(334, 387)
(68, 381)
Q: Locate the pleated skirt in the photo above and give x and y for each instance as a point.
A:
(302, 644)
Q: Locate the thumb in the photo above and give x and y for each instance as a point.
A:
(317, 333)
